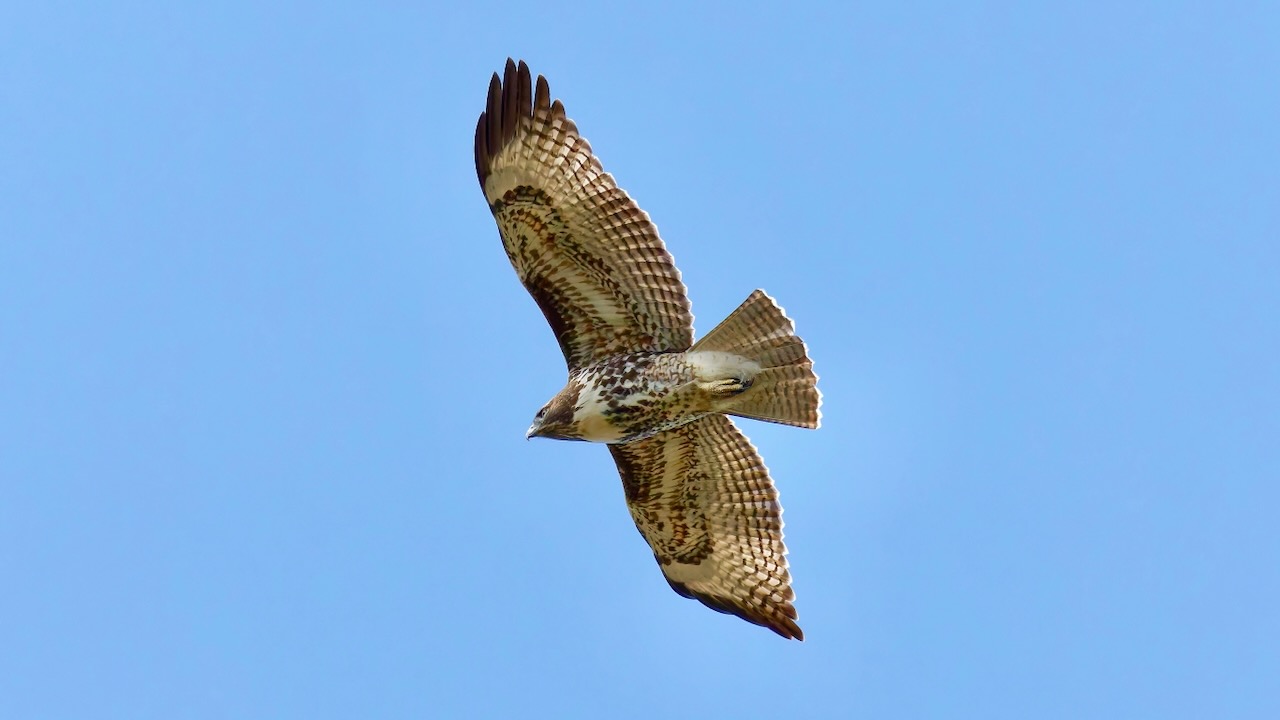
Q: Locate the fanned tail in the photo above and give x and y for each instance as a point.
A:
(785, 390)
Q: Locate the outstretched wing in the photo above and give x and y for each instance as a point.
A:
(589, 256)
(702, 498)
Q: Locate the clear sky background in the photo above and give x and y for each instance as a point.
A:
(265, 371)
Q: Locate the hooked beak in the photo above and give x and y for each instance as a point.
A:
(534, 429)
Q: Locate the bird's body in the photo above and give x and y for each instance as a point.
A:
(630, 397)
(592, 260)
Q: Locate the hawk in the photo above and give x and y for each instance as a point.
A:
(697, 489)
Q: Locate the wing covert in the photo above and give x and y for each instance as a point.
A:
(589, 256)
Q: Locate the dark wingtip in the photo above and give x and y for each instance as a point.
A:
(510, 111)
(782, 623)
(542, 96)
(486, 129)
(482, 151)
(511, 98)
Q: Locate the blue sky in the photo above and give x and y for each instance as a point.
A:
(266, 371)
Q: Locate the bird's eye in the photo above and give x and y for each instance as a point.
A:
(542, 412)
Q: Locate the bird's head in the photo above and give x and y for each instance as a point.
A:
(556, 419)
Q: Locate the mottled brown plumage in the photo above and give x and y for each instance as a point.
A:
(701, 496)
(589, 256)
(696, 487)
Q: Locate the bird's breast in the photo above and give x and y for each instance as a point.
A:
(632, 397)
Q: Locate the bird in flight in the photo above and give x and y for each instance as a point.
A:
(697, 489)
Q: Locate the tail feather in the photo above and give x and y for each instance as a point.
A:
(785, 390)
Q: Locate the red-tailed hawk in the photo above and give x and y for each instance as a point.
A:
(696, 487)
